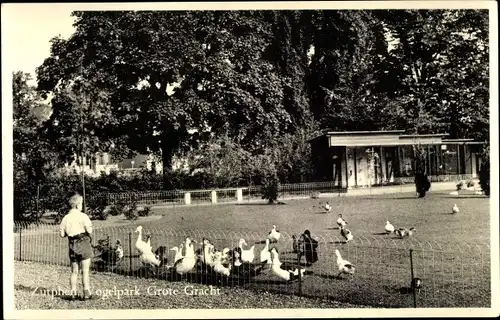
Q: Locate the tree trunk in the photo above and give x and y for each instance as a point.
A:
(168, 146)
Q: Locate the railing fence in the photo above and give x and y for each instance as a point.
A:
(455, 274)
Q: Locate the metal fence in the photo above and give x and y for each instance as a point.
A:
(452, 274)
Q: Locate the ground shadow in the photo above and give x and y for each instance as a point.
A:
(380, 234)
(337, 242)
(329, 276)
(334, 228)
(468, 197)
(405, 290)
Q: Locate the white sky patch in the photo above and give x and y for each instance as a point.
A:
(33, 28)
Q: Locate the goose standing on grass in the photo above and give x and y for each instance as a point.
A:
(265, 254)
(327, 207)
(403, 232)
(416, 284)
(346, 234)
(187, 262)
(246, 255)
(218, 266)
(389, 228)
(340, 221)
(140, 245)
(243, 269)
(285, 274)
(344, 266)
(161, 254)
(455, 209)
(178, 252)
(274, 235)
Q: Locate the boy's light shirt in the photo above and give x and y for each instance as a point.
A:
(74, 223)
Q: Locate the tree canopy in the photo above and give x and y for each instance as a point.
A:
(168, 81)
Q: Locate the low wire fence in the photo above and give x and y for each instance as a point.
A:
(452, 274)
(172, 198)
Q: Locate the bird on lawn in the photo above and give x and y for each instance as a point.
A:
(416, 284)
(187, 263)
(389, 228)
(246, 255)
(346, 234)
(265, 254)
(340, 221)
(403, 232)
(344, 266)
(274, 235)
(285, 274)
(327, 207)
(178, 252)
(455, 209)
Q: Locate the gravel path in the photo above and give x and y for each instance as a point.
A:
(34, 282)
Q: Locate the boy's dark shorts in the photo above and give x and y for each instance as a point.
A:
(80, 248)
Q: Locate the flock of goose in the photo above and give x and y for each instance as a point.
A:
(240, 261)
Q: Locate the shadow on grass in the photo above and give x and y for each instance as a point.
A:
(337, 242)
(468, 197)
(376, 197)
(259, 203)
(380, 234)
(334, 228)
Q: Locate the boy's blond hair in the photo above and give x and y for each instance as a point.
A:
(75, 200)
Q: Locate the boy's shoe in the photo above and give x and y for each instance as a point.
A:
(86, 295)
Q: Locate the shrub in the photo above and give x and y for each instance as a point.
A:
(130, 211)
(145, 212)
(460, 185)
(469, 183)
(270, 187)
(484, 172)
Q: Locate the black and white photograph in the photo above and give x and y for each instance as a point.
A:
(212, 160)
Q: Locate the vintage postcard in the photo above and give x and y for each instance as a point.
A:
(215, 160)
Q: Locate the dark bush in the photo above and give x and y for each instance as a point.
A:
(484, 171)
(146, 211)
(270, 187)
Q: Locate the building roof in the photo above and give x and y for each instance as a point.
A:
(386, 138)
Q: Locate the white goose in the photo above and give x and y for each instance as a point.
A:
(327, 207)
(246, 255)
(178, 252)
(389, 228)
(187, 262)
(344, 266)
(218, 266)
(287, 275)
(140, 245)
(208, 253)
(346, 234)
(265, 254)
(274, 235)
(340, 221)
(455, 209)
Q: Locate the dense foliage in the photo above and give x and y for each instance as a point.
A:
(240, 92)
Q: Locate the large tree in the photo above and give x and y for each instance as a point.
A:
(33, 155)
(436, 77)
(128, 62)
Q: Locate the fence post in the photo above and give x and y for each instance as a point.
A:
(20, 244)
(300, 273)
(412, 289)
(130, 251)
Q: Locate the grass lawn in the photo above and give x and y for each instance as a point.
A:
(451, 252)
